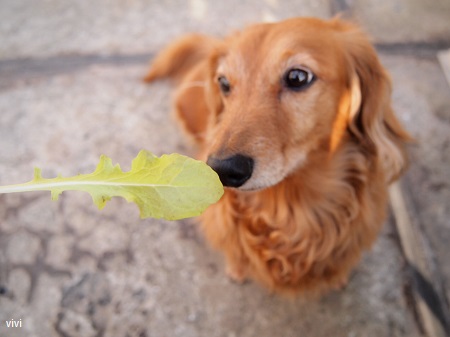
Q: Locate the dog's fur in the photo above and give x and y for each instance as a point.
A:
(324, 156)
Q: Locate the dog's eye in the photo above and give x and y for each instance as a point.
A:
(224, 85)
(297, 78)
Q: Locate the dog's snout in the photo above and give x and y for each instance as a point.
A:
(233, 171)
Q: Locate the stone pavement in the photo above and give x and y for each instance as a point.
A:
(70, 91)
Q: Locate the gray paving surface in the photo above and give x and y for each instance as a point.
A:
(70, 91)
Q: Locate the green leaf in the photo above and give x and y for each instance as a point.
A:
(171, 187)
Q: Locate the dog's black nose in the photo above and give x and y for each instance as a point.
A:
(233, 171)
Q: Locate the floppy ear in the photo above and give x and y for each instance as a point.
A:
(180, 57)
(372, 120)
(186, 60)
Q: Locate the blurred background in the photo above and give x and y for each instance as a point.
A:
(71, 90)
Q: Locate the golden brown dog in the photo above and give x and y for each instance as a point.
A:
(295, 118)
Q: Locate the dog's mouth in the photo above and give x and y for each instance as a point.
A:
(240, 172)
(248, 173)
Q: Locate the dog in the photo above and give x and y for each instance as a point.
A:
(295, 117)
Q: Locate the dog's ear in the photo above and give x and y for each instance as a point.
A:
(180, 57)
(187, 61)
(372, 120)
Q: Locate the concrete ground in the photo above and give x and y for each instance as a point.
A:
(70, 90)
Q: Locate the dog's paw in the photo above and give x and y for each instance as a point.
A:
(236, 274)
(340, 285)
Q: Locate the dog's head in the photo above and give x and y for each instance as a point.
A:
(283, 92)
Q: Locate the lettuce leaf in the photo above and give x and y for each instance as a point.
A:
(170, 187)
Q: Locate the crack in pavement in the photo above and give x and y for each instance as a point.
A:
(20, 70)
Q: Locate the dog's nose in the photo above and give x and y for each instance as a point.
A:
(233, 171)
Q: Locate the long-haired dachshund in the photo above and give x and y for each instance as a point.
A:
(295, 117)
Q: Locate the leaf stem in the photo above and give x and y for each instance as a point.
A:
(19, 188)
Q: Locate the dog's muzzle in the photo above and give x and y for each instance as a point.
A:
(233, 171)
